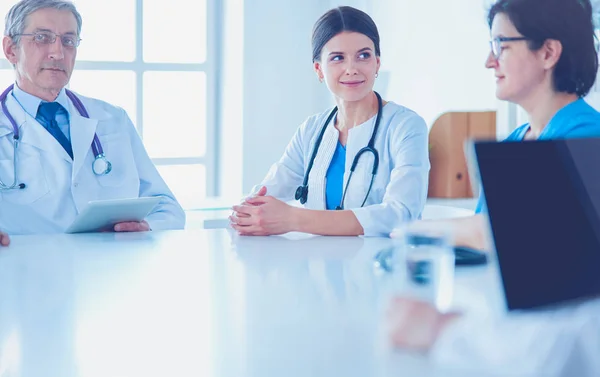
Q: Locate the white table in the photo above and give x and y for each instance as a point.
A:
(214, 212)
(204, 303)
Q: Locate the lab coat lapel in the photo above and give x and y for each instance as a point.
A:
(33, 133)
(358, 138)
(82, 136)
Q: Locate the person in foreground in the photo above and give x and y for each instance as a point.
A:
(546, 66)
(60, 150)
(359, 169)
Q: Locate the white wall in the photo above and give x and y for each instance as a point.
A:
(278, 87)
(268, 84)
(435, 53)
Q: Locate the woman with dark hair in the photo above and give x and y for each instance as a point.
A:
(545, 62)
(360, 168)
(544, 59)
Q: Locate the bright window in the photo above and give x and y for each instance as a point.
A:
(156, 60)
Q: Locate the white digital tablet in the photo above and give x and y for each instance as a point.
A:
(104, 214)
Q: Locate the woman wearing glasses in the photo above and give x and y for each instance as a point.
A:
(366, 160)
(545, 65)
(544, 59)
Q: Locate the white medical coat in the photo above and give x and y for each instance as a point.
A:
(559, 342)
(400, 187)
(58, 187)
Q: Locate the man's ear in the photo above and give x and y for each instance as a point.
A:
(9, 48)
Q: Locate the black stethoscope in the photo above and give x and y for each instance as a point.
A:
(100, 166)
(302, 191)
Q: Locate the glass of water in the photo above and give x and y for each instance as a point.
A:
(424, 264)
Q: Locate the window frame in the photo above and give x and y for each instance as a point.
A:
(209, 67)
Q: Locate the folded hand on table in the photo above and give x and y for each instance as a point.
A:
(262, 215)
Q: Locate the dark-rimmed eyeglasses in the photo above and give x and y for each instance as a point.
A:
(496, 44)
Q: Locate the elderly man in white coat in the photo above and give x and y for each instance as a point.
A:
(59, 150)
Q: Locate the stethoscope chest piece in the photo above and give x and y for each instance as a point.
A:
(101, 166)
(302, 191)
(302, 194)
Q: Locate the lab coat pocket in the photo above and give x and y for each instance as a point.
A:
(30, 173)
(117, 150)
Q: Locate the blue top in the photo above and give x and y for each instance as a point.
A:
(30, 104)
(576, 120)
(335, 177)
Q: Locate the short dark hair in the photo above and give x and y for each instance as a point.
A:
(342, 19)
(568, 21)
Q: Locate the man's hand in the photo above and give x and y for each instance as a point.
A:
(4, 240)
(132, 226)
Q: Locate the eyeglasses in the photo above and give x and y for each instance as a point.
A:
(495, 44)
(48, 37)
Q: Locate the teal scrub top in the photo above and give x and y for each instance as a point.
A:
(576, 120)
(334, 184)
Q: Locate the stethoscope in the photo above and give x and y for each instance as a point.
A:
(302, 191)
(100, 166)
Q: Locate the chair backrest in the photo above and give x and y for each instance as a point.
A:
(449, 177)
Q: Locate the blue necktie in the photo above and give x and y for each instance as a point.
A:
(47, 117)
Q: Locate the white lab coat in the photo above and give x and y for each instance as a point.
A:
(561, 342)
(400, 187)
(58, 188)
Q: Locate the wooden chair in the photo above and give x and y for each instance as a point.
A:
(449, 177)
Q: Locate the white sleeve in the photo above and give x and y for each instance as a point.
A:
(526, 344)
(406, 193)
(584, 359)
(287, 174)
(168, 214)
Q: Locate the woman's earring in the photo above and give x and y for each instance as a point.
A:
(376, 74)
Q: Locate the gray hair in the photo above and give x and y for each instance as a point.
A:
(16, 19)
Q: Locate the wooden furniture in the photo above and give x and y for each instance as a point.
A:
(449, 177)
